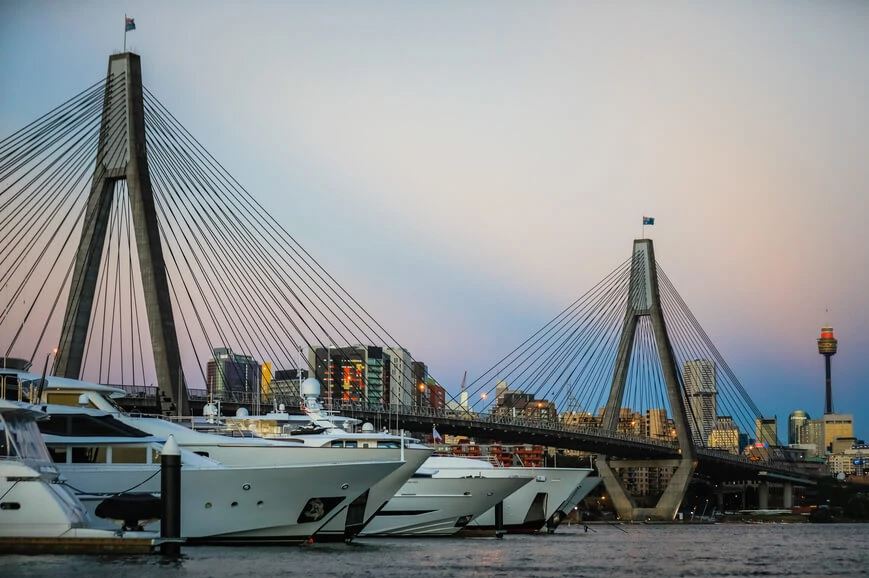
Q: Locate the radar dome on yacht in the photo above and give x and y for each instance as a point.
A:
(310, 387)
(282, 408)
(367, 428)
(242, 412)
(210, 410)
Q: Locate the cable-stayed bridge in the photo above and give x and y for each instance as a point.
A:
(134, 252)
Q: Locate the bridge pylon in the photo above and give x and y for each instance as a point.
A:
(122, 155)
(644, 300)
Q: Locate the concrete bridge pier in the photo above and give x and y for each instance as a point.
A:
(669, 502)
(763, 496)
(788, 495)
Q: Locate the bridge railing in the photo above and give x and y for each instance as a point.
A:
(497, 419)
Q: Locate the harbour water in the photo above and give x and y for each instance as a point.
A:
(647, 550)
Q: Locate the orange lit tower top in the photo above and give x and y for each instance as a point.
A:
(827, 346)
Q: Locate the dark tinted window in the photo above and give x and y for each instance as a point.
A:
(88, 426)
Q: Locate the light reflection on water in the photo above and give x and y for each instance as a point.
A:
(654, 550)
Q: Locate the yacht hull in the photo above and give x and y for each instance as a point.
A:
(585, 487)
(527, 510)
(439, 506)
(239, 504)
(338, 529)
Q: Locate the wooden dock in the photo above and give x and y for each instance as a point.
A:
(109, 546)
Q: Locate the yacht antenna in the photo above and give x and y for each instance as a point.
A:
(402, 444)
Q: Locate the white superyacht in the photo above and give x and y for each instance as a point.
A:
(113, 466)
(526, 510)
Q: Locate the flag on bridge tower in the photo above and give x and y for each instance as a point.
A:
(129, 24)
(647, 221)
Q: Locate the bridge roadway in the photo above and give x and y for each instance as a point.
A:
(717, 465)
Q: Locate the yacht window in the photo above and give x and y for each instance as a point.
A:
(81, 425)
(129, 454)
(389, 444)
(350, 444)
(9, 384)
(24, 438)
(338, 444)
(89, 455)
(58, 454)
(69, 398)
(155, 456)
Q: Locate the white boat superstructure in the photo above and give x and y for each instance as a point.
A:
(100, 457)
(527, 509)
(32, 502)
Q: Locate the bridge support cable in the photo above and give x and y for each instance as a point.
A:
(300, 303)
(734, 409)
(305, 265)
(549, 360)
(481, 388)
(239, 238)
(42, 214)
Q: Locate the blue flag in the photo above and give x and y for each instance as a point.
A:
(129, 24)
(648, 220)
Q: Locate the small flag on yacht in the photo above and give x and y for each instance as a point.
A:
(129, 24)
(648, 220)
(435, 435)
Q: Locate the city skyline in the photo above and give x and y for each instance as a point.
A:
(294, 129)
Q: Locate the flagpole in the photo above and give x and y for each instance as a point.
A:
(125, 31)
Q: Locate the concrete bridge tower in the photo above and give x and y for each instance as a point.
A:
(644, 300)
(122, 155)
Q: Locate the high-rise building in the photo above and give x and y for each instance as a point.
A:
(812, 436)
(724, 435)
(836, 425)
(420, 391)
(656, 423)
(700, 386)
(766, 431)
(401, 385)
(827, 346)
(229, 374)
(286, 383)
(437, 396)
(579, 419)
(350, 373)
(796, 422)
(266, 378)
(500, 389)
(631, 422)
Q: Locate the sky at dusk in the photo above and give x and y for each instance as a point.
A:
(467, 169)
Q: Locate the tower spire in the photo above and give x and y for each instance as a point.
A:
(827, 346)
